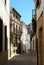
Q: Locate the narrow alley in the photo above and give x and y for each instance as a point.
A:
(21, 32)
(23, 59)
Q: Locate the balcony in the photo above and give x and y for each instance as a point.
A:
(34, 21)
(17, 32)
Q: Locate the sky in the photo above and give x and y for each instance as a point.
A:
(24, 8)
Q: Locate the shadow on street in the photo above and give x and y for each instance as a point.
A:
(23, 59)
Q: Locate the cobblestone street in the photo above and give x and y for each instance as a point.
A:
(23, 59)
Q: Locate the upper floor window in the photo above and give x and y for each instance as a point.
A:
(19, 28)
(14, 27)
(38, 3)
(16, 16)
(13, 14)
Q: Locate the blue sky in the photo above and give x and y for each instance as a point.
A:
(24, 8)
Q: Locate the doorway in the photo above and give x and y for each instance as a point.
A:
(40, 47)
(1, 34)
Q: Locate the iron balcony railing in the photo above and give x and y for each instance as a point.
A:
(34, 13)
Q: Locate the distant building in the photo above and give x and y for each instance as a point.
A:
(4, 31)
(29, 35)
(24, 37)
(16, 28)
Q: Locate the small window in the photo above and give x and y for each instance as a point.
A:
(19, 29)
(16, 16)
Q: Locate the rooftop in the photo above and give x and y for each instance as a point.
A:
(15, 11)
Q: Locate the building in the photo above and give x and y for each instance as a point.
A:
(34, 32)
(25, 37)
(16, 28)
(29, 36)
(39, 6)
(4, 31)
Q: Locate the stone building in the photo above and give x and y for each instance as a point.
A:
(34, 31)
(4, 31)
(16, 28)
(39, 6)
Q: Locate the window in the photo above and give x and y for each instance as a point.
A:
(19, 29)
(5, 37)
(14, 27)
(13, 14)
(16, 16)
(16, 40)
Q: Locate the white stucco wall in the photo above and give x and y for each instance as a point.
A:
(25, 38)
(28, 44)
(24, 35)
(4, 15)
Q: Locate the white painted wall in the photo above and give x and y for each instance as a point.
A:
(28, 44)
(4, 15)
(24, 35)
(25, 38)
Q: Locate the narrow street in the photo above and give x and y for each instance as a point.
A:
(23, 59)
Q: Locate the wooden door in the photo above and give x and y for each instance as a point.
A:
(40, 46)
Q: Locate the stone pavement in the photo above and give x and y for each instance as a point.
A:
(23, 59)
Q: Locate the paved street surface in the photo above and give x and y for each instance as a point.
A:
(23, 59)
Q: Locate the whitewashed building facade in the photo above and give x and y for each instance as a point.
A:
(25, 38)
(4, 30)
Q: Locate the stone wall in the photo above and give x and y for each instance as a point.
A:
(3, 57)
